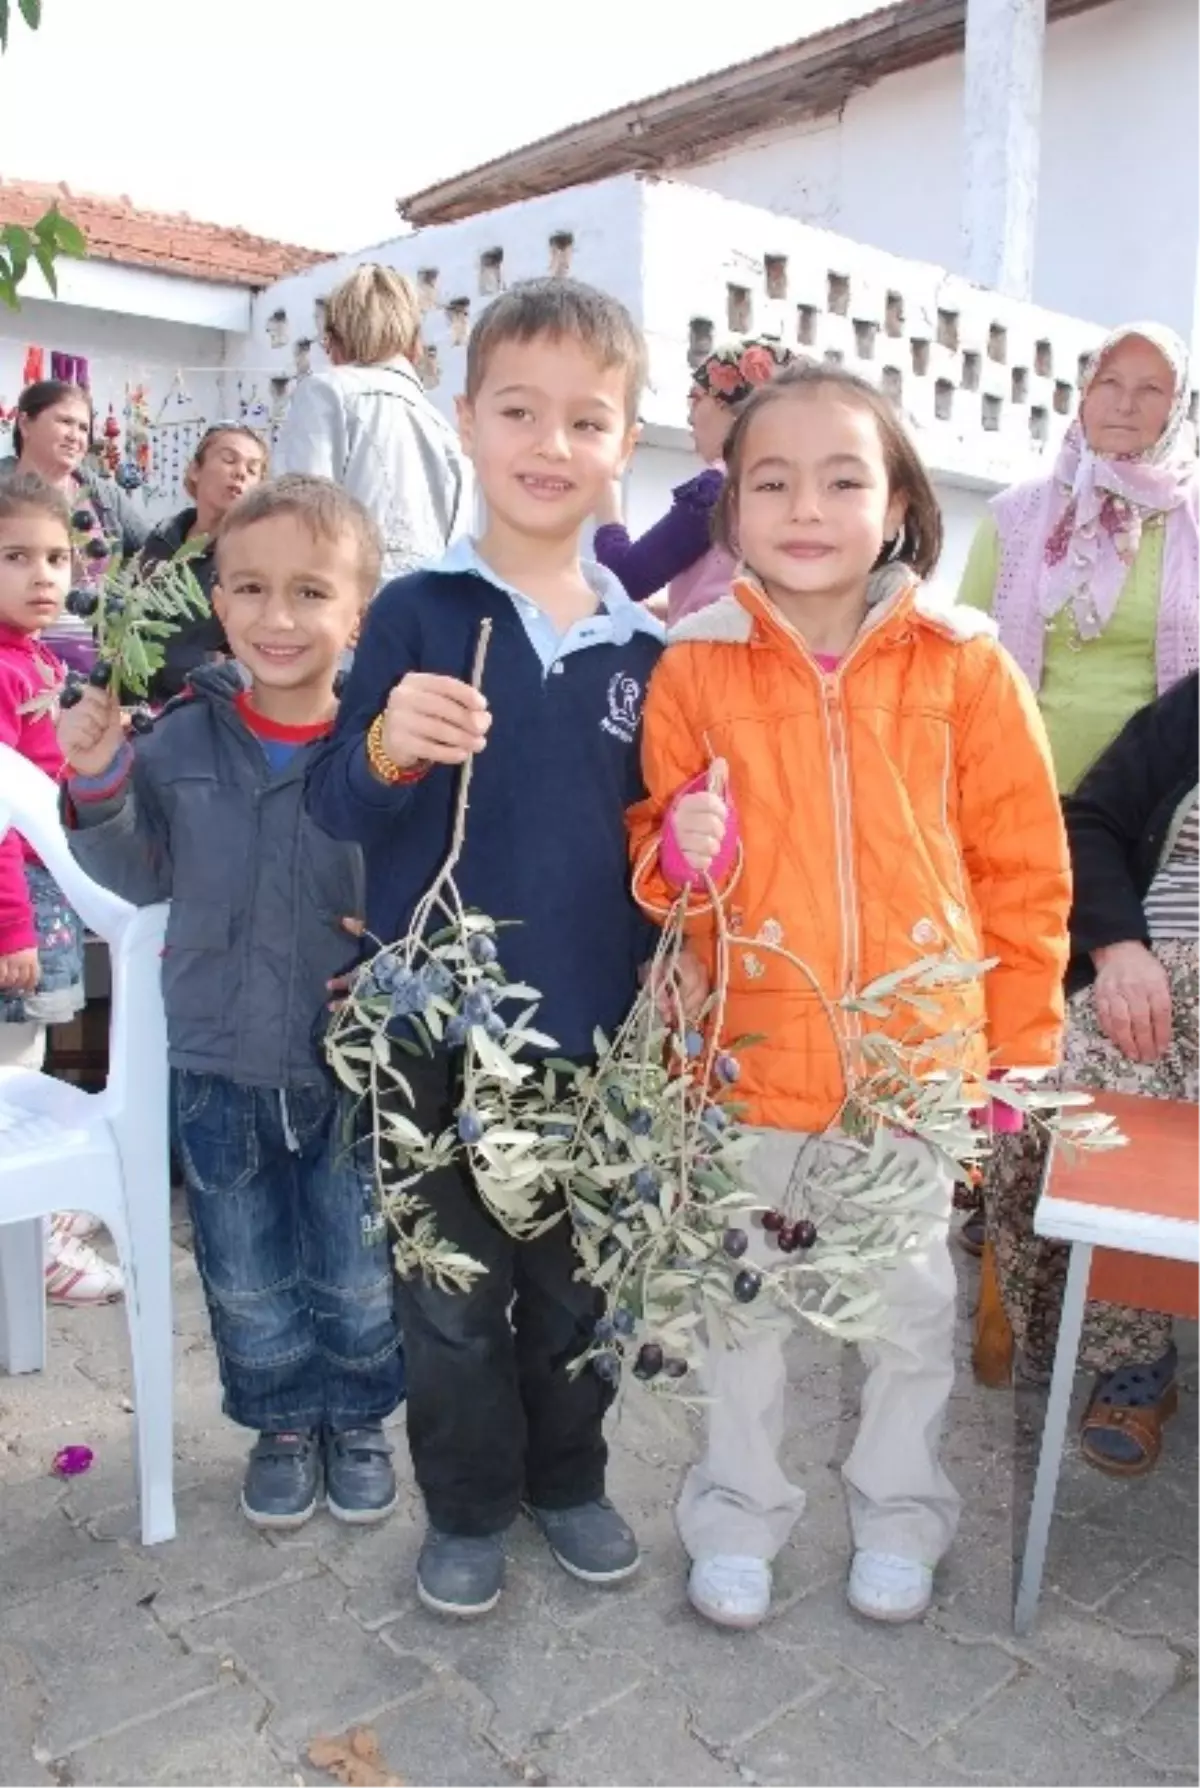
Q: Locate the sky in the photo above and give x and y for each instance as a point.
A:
(307, 119)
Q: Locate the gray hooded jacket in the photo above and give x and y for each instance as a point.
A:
(257, 890)
(373, 430)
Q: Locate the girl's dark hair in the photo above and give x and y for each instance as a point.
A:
(24, 493)
(919, 542)
(43, 396)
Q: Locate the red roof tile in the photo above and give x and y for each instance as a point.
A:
(168, 241)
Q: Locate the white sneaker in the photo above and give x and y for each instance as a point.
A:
(731, 1589)
(80, 1224)
(76, 1274)
(884, 1587)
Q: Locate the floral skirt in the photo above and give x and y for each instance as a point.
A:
(59, 993)
(1032, 1272)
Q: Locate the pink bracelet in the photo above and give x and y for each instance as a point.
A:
(675, 866)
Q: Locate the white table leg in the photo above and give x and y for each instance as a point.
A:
(1053, 1433)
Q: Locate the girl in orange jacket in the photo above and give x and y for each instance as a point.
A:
(890, 787)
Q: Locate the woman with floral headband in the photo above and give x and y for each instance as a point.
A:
(679, 551)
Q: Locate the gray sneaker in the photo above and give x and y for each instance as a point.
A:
(282, 1486)
(360, 1484)
(591, 1541)
(460, 1574)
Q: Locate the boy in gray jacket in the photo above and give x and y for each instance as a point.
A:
(207, 811)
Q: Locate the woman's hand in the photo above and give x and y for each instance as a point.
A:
(1133, 1000)
(19, 972)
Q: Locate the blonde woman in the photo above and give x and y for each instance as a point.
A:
(368, 425)
(229, 460)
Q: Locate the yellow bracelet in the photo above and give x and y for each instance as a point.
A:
(382, 765)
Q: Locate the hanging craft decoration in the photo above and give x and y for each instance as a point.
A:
(251, 408)
(134, 469)
(642, 1153)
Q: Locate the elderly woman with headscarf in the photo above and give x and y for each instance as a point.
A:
(1093, 576)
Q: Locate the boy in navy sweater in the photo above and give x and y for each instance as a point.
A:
(554, 373)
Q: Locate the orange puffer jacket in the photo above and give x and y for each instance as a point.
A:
(901, 806)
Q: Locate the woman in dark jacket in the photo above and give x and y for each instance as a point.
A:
(1133, 829)
(229, 459)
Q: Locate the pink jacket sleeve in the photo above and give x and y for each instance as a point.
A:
(17, 929)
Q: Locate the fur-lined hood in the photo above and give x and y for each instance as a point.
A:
(731, 620)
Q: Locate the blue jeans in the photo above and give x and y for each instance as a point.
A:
(292, 1253)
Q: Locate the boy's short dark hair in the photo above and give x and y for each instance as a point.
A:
(24, 493)
(326, 510)
(556, 308)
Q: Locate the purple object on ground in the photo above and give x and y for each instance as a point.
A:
(72, 1462)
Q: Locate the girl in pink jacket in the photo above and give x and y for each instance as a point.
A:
(41, 941)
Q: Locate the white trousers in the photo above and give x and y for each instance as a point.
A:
(737, 1498)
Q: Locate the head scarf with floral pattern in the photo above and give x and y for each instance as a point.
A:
(1106, 501)
(731, 372)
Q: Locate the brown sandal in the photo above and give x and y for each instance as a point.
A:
(992, 1348)
(1131, 1406)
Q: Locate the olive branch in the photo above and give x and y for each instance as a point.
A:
(133, 611)
(642, 1151)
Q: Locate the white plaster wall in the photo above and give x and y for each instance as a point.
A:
(962, 511)
(605, 251)
(1120, 187)
(123, 351)
(987, 382)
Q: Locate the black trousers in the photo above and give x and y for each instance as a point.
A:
(493, 1414)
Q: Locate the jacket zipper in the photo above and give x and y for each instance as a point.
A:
(843, 831)
(955, 849)
(833, 716)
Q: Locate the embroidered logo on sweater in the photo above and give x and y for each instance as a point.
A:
(624, 707)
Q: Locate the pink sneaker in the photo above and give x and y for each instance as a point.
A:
(80, 1224)
(76, 1274)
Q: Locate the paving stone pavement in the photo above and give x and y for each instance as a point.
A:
(217, 1658)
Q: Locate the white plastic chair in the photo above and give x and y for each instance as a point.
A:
(107, 1153)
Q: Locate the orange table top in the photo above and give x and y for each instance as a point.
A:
(1155, 1174)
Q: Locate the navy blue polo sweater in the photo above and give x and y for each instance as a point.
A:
(545, 837)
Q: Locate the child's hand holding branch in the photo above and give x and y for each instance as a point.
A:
(700, 821)
(90, 734)
(434, 720)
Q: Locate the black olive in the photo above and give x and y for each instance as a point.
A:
(747, 1285)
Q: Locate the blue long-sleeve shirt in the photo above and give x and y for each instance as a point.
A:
(545, 838)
